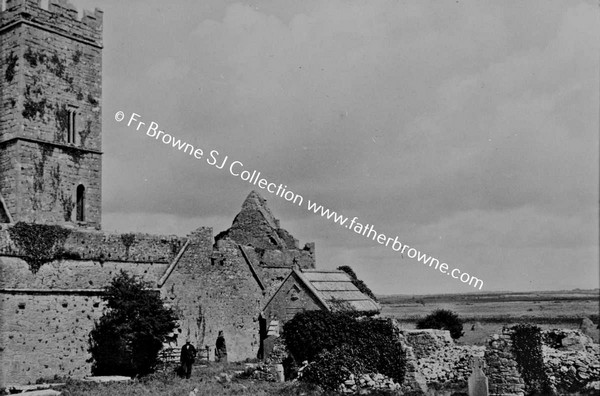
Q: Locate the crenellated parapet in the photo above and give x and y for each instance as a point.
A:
(60, 17)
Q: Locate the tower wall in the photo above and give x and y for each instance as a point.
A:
(50, 124)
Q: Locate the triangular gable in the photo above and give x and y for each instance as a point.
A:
(297, 274)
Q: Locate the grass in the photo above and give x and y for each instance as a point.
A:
(203, 378)
(549, 309)
(494, 310)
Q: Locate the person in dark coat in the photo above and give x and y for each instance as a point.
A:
(221, 348)
(188, 355)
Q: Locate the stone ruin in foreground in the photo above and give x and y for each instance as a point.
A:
(436, 365)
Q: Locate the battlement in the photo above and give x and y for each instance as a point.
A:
(59, 16)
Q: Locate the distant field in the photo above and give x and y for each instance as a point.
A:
(563, 309)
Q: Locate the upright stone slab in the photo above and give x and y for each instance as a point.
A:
(478, 382)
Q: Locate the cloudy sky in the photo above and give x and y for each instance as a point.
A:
(467, 129)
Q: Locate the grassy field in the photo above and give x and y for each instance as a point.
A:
(205, 379)
(561, 309)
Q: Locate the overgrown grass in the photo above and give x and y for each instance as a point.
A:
(203, 378)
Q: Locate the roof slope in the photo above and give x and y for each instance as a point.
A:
(337, 289)
(333, 289)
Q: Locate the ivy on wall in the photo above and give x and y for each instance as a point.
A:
(77, 56)
(34, 57)
(66, 201)
(39, 167)
(57, 66)
(128, 240)
(54, 63)
(34, 105)
(84, 133)
(61, 115)
(11, 65)
(55, 179)
(93, 101)
(527, 347)
(39, 243)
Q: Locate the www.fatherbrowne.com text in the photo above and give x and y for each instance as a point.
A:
(254, 177)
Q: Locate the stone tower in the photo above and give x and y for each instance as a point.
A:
(50, 113)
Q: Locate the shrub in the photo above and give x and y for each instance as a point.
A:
(360, 285)
(330, 369)
(527, 347)
(442, 319)
(332, 340)
(127, 338)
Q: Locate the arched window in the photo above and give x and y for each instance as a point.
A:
(80, 203)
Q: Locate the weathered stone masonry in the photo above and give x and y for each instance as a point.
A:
(50, 118)
(46, 317)
(50, 174)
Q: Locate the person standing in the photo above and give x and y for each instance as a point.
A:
(221, 348)
(188, 355)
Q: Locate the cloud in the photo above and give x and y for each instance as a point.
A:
(469, 128)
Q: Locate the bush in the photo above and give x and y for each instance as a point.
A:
(330, 369)
(442, 319)
(127, 338)
(360, 285)
(527, 347)
(338, 341)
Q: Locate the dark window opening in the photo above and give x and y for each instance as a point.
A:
(71, 135)
(80, 203)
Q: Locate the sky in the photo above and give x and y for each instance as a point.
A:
(469, 130)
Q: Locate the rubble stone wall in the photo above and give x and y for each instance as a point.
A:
(501, 367)
(46, 317)
(216, 294)
(46, 333)
(571, 358)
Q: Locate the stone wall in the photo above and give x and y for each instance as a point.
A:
(571, 361)
(426, 341)
(46, 317)
(216, 294)
(572, 370)
(450, 366)
(47, 183)
(46, 333)
(9, 174)
(214, 286)
(571, 358)
(272, 277)
(84, 244)
(437, 359)
(292, 297)
(502, 371)
(210, 296)
(268, 245)
(304, 258)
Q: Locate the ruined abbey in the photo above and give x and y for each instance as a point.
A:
(54, 258)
